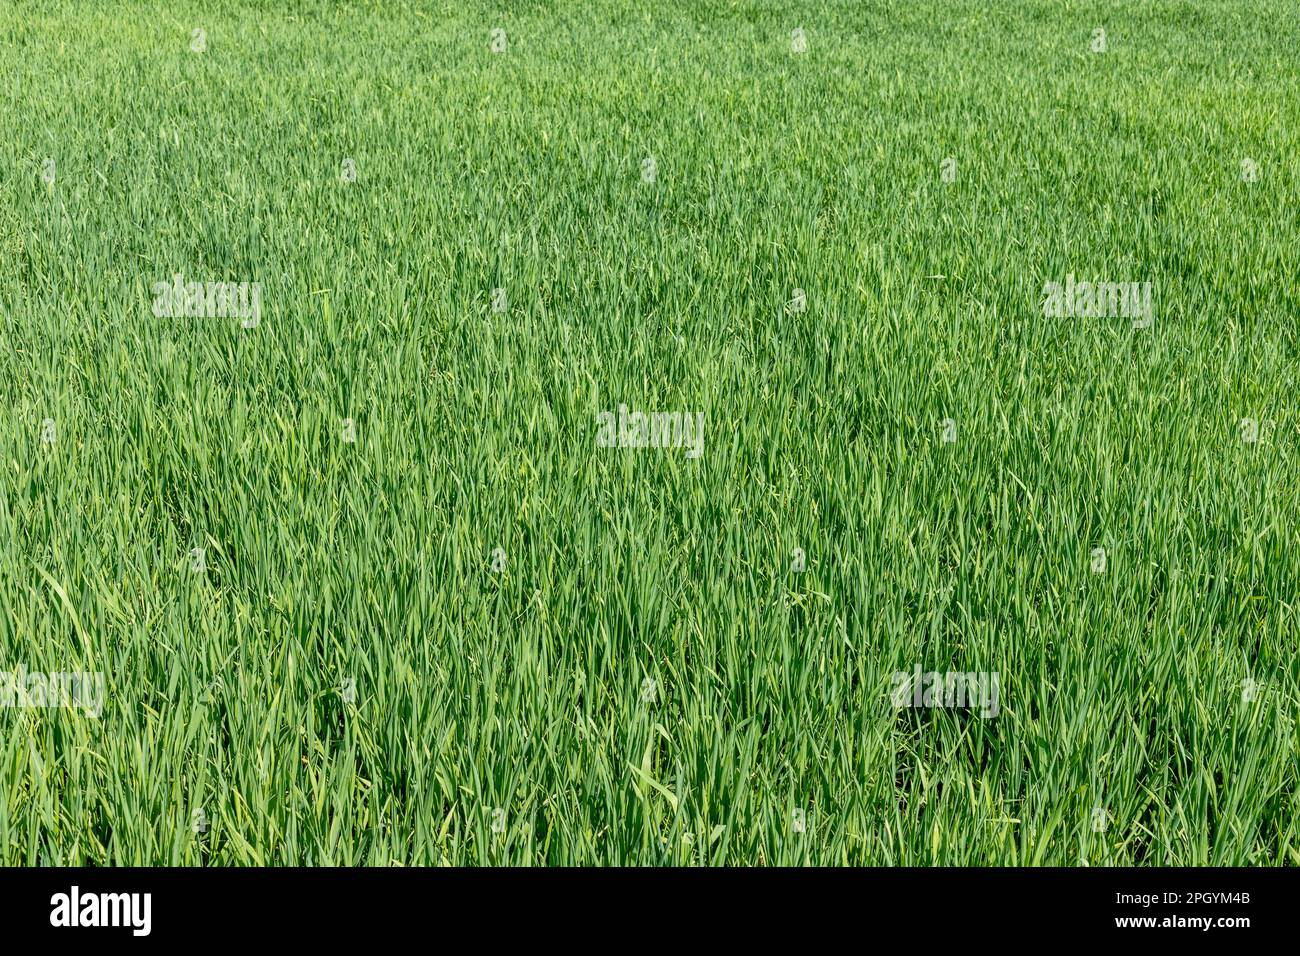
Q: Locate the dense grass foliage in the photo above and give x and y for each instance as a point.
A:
(648, 680)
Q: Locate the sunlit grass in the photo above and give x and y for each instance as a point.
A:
(349, 681)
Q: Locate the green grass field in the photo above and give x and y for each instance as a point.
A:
(279, 543)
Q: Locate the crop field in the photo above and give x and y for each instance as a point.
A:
(727, 432)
